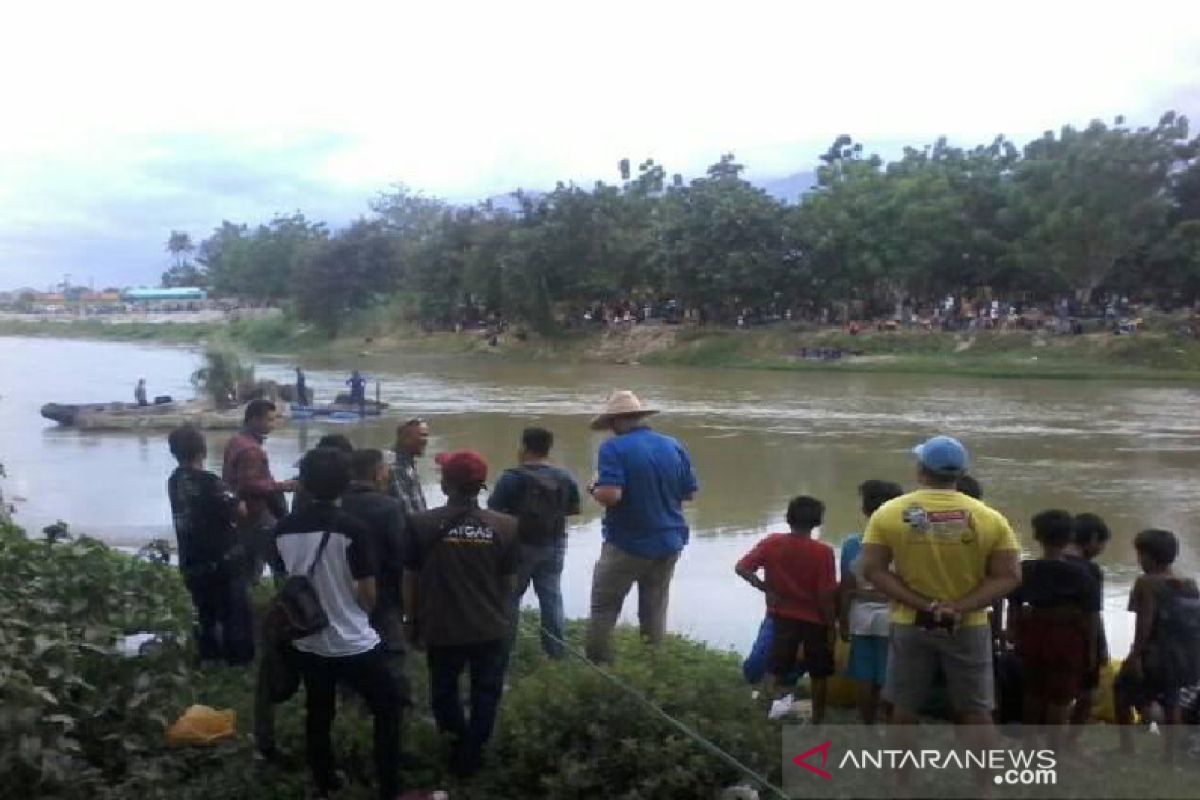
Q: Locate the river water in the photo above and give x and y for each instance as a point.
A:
(1128, 452)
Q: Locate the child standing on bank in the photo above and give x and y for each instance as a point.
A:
(800, 586)
(1091, 536)
(1053, 617)
(1165, 657)
(863, 613)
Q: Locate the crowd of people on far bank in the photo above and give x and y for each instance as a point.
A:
(365, 572)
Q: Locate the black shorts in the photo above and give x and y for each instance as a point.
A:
(803, 643)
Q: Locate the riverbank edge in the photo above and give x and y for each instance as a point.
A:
(1151, 356)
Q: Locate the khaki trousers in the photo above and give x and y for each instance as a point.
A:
(615, 574)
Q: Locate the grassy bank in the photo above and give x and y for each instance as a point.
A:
(1153, 355)
(1008, 354)
(79, 722)
(266, 335)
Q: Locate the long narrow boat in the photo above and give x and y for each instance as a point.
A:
(130, 416)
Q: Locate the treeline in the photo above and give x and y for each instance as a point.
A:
(1104, 209)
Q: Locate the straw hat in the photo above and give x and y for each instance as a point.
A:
(621, 403)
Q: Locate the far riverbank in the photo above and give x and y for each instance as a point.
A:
(1151, 355)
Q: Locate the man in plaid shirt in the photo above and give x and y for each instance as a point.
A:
(404, 483)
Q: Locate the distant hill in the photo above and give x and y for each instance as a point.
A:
(788, 188)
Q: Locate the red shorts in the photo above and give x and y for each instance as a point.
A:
(1054, 658)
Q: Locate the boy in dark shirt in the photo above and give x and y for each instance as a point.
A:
(1053, 617)
(1091, 536)
(1164, 659)
(801, 590)
(210, 558)
(459, 578)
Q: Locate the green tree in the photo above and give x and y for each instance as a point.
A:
(182, 272)
(258, 264)
(350, 271)
(837, 241)
(721, 243)
(1088, 197)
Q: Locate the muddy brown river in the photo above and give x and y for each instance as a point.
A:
(1130, 452)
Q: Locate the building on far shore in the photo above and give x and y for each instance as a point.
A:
(180, 294)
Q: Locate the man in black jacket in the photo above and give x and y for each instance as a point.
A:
(209, 553)
(459, 578)
(366, 499)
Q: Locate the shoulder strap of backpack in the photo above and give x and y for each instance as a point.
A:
(320, 551)
(542, 478)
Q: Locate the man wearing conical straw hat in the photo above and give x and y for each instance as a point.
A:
(642, 480)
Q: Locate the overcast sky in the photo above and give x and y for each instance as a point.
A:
(121, 121)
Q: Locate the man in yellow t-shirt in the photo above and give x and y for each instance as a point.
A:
(942, 557)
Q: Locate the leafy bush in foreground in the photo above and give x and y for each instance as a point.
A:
(73, 714)
(79, 722)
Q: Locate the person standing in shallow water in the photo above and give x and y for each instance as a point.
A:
(643, 479)
(139, 393)
(301, 388)
(358, 388)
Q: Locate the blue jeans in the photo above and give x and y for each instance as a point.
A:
(542, 565)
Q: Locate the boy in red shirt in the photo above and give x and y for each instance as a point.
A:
(800, 586)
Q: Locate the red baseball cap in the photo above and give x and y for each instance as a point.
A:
(462, 466)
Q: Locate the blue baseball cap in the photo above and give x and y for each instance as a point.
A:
(942, 454)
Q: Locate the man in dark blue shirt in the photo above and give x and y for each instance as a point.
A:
(643, 479)
(358, 388)
(541, 496)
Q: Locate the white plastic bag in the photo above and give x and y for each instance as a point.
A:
(780, 708)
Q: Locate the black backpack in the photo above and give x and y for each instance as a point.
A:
(540, 515)
(296, 609)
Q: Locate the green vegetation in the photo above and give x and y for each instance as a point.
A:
(987, 354)
(1081, 212)
(223, 378)
(77, 721)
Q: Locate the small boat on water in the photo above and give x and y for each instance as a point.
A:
(338, 410)
(131, 416)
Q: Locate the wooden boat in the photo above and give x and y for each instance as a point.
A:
(130, 416)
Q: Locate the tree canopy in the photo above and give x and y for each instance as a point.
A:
(1074, 212)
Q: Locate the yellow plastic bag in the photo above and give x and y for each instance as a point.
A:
(203, 725)
(1103, 708)
(842, 692)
